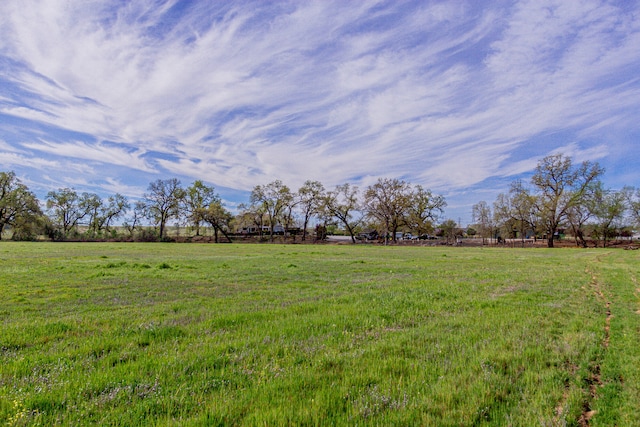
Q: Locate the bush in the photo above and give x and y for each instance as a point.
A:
(52, 232)
(24, 236)
(146, 235)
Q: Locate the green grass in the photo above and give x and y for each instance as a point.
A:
(191, 335)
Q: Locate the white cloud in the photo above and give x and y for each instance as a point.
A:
(444, 94)
(12, 159)
(8, 148)
(95, 152)
(114, 186)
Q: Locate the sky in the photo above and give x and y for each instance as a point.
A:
(461, 97)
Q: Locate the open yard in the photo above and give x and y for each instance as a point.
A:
(192, 334)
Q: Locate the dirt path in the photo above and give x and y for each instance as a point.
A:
(594, 380)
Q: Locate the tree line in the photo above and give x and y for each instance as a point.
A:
(273, 208)
(561, 196)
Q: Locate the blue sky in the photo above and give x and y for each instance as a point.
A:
(460, 97)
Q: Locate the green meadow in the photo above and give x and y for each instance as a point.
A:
(195, 335)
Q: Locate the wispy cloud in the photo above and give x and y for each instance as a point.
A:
(99, 152)
(446, 95)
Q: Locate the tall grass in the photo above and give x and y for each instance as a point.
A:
(167, 334)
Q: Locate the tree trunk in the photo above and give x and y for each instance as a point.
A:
(350, 230)
(304, 229)
(226, 235)
(550, 241)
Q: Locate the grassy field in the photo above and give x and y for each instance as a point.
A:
(191, 335)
